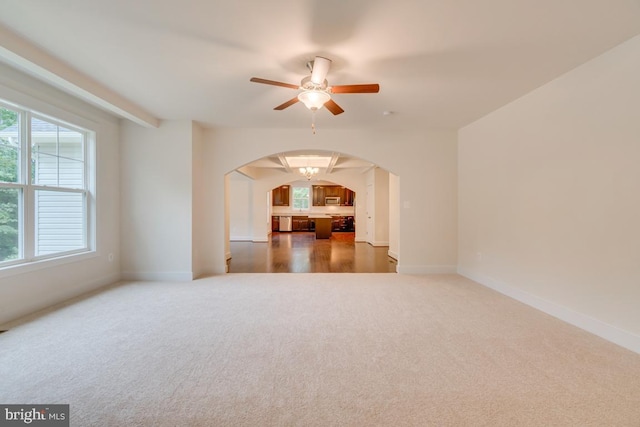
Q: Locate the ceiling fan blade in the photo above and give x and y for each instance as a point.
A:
(273, 82)
(320, 69)
(289, 103)
(333, 107)
(368, 88)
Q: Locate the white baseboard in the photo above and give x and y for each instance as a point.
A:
(240, 239)
(170, 276)
(597, 327)
(426, 269)
(379, 243)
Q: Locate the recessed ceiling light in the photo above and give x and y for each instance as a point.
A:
(387, 113)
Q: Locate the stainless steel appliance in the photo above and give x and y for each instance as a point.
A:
(332, 201)
(285, 223)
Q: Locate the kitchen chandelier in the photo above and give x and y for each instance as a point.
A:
(309, 172)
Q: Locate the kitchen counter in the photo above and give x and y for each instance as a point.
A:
(313, 215)
(309, 221)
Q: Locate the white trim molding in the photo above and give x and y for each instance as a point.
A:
(426, 269)
(169, 276)
(597, 327)
(241, 239)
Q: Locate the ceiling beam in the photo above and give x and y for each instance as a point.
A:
(37, 62)
(284, 163)
(332, 162)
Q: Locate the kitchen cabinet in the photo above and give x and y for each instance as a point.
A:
(300, 223)
(347, 223)
(333, 191)
(335, 223)
(280, 196)
(342, 223)
(318, 195)
(349, 197)
(275, 223)
(321, 191)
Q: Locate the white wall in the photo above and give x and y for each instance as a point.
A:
(157, 197)
(381, 208)
(241, 215)
(198, 191)
(25, 289)
(425, 161)
(394, 216)
(549, 191)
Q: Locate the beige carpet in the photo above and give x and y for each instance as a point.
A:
(316, 350)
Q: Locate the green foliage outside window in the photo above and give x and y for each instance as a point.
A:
(9, 197)
(301, 197)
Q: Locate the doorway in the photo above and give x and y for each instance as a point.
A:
(255, 244)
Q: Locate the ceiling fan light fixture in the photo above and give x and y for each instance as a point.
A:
(314, 99)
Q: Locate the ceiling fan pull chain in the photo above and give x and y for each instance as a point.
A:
(313, 121)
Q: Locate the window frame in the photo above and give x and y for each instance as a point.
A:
(27, 201)
(293, 198)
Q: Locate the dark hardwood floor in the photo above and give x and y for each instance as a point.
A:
(301, 252)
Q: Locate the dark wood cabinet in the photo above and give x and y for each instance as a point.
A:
(333, 191)
(300, 223)
(349, 197)
(347, 223)
(304, 223)
(342, 223)
(335, 223)
(321, 191)
(280, 196)
(318, 195)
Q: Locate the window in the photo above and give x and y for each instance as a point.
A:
(301, 197)
(44, 187)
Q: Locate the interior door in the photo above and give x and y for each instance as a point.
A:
(370, 209)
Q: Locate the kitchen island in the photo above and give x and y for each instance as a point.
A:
(323, 226)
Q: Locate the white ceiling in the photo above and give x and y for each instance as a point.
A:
(439, 63)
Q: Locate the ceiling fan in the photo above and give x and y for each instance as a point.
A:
(315, 90)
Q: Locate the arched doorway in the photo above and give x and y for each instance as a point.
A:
(362, 206)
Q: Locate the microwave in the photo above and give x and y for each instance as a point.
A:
(332, 201)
